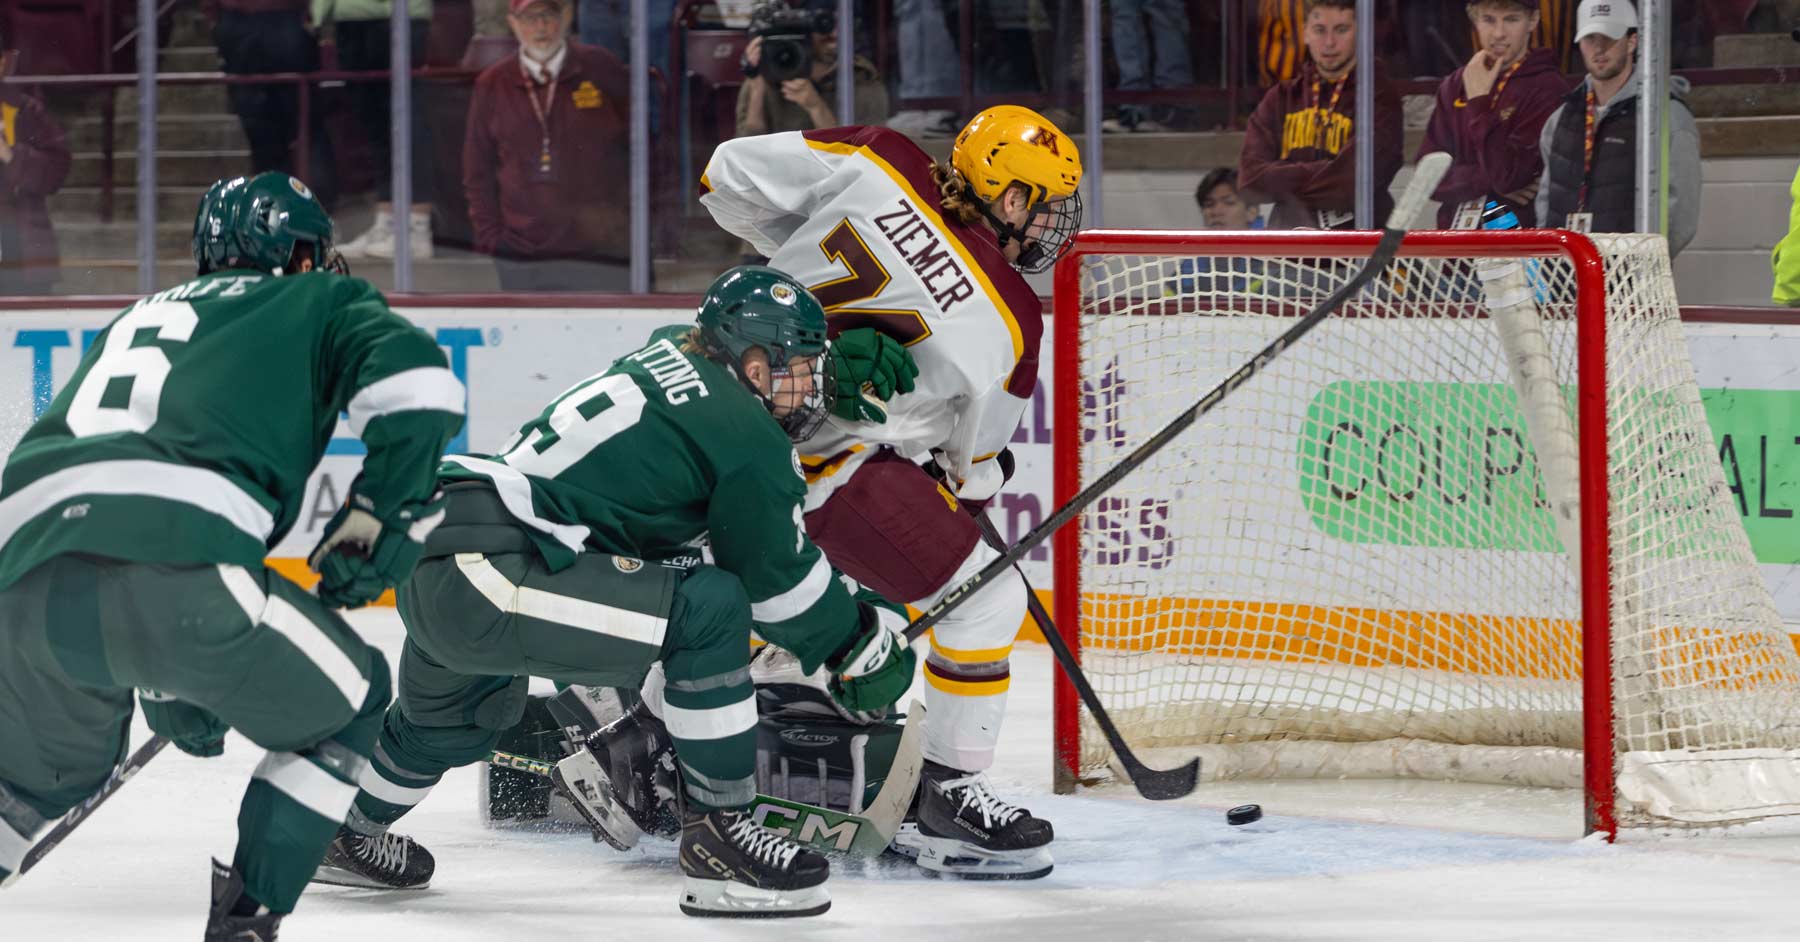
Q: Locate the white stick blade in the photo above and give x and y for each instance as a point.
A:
(1424, 182)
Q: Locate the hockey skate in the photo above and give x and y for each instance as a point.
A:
(962, 828)
(623, 780)
(732, 867)
(388, 862)
(224, 923)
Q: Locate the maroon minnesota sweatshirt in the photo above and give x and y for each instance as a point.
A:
(1493, 139)
(1300, 150)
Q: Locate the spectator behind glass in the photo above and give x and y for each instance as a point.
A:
(1171, 68)
(34, 162)
(1589, 145)
(1299, 151)
(262, 36)
(805, 103)
(929, 68)
(1489, 112)
(1221, 207)
(547, 159)
(364, 44)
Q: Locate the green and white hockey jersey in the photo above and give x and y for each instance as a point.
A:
(187, 433)
(665, 448)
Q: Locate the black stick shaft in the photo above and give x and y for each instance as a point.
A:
(1154, 784)
(69, 822)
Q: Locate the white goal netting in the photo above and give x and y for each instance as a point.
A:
(1367, 560)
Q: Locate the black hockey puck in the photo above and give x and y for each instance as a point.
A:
(1244, 814)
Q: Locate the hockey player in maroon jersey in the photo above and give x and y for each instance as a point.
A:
(928, 254)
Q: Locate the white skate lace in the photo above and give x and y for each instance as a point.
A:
(387, 852)
(978, 794)
(762, 843)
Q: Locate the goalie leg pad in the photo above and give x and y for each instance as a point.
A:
(623, 780)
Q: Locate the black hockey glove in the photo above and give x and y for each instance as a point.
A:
(362, 555)
(871, 368)
(877, 667)
(194, 730)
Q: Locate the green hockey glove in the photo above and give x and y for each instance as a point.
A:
(877, 668)
(362, 555)
(194, 730)
(871, 368)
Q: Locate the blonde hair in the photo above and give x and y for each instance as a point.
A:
(691, 342)
(955, 199)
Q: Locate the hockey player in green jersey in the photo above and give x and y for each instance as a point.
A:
(572, 554)
(136, 512)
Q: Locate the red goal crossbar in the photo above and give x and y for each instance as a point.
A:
(1590, 302)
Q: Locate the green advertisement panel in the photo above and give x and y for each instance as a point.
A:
(1449, 465)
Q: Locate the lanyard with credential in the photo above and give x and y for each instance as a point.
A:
(1587, 150)
(1500, 86)
(543, 117)
(1319, 115)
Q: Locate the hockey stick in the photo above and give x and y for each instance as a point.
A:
(860, 835)
(1154, 784)
(137, 760)
(1425, 179)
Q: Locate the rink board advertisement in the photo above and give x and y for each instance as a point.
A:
(513, 361)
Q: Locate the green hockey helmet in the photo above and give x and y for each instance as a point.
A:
(753, 307)
(257, 222)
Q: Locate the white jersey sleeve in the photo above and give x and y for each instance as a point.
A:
(853, 214)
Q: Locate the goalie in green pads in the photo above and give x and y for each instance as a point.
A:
(570, 554)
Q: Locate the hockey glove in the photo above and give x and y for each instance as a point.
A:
(871, 368)
(363, 555)
(877, 668)
(986, 478)
(194, 730)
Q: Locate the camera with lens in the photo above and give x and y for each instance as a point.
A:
(786, 33)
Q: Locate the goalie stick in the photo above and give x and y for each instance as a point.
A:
(859, 835)
(137, 760)
(1425, 178)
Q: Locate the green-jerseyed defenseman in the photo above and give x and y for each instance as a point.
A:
(572, 554)
(136, 512)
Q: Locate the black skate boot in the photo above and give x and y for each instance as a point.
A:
(225, 923)
(388, 862)
(962, 828)
(623, 780)
(733, 867)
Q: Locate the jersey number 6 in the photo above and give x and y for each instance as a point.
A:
(96, 409)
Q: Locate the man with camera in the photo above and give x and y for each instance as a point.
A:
(791, 64)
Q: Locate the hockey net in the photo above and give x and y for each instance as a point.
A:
(1473, 526)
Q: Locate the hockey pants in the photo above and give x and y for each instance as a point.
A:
(894, 529)
(478, 625)
(260, 653)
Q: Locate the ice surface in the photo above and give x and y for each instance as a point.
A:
(1329, 861)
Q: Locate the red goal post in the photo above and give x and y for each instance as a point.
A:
(1134, 284)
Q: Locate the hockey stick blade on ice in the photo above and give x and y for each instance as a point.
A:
(859, 835)
(69, 822)
(1154, 784)
(1424, 180)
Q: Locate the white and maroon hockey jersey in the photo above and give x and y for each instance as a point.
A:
(853, 214)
